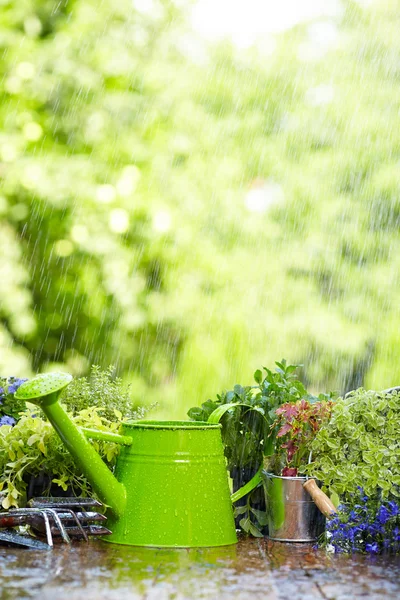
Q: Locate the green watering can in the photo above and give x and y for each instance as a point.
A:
(170, 485)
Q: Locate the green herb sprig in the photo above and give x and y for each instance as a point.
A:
(103, 390)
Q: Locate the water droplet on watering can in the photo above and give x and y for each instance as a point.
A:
(176, 512)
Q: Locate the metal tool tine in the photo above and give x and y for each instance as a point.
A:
(88, 530)
(48, 529)
(59, 524)
(84, 517)
(10, 537)
(90, 516)
(11, 520)
(97, 530)
(78, 523)
(63, 502)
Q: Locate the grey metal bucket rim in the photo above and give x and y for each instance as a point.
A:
(285, 476)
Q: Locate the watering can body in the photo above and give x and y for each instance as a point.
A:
(177, 487)
(170, 485)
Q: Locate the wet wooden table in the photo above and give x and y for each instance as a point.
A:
(253, 570)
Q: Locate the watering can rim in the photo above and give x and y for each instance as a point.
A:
(171, 425)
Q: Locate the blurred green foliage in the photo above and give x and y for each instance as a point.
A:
(137, 166)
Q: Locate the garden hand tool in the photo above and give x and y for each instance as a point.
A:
(170, 485)
(55, 517)
(320, 499)
(323, 502)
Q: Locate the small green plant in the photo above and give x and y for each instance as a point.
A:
(252, 519)
(102, 390)
(359, 447)
(32, 447)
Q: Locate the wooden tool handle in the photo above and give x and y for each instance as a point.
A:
(324, 504)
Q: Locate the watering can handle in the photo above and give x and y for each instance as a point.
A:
(106, 436)
(255, 481)
(248, 487)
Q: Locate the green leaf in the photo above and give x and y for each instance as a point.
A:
(258, 376)
(61, 483)
(6, 502)
(253, 529)
(335, 498)
(219, 412)
(239, 390)
(240, 510)
(195, 413)
(33, 438)
(260, 515)
(245, 524)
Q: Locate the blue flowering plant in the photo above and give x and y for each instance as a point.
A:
(369, 525)
(10, 407)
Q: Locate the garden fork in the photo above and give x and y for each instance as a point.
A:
(63, 517)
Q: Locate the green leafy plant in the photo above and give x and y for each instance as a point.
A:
(359, 447)
(32, 447)
(247, 428)
(104, 391)
(248, 418)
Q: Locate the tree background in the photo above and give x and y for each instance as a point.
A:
(190, 211)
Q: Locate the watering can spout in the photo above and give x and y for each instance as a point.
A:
(44, 390)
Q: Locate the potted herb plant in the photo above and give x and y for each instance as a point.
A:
(248, 415)
(292, 514)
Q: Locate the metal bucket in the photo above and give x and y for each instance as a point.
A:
(292, 514)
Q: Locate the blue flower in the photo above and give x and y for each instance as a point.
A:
(14, 384)
(371, 527)
(372, 548)
(6, 420)
(383, 515)
(394, 509)
(396, 534)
